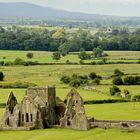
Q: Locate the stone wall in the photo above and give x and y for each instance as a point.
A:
(106, 124)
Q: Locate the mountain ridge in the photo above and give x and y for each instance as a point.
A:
(23, 9)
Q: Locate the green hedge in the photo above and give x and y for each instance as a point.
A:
(18, 85)
(106, 101)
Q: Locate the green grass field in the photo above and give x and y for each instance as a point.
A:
(51, 74)
(46, 57)
(123, 111)
(43, 75)
(65, 134)
(124, 54)
(116, 111)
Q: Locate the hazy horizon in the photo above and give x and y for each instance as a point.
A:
(109, 7)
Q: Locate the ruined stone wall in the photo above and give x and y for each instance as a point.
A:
(51, 104)
(29, 113)
(74, 116)
(38, 92)
(106, 124)
(51, 97)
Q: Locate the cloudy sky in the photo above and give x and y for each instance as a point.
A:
(108, 7)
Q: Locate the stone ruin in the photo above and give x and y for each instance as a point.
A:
(40, 108)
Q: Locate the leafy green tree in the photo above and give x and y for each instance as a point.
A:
(83, 55)
(117, 81)
(1, 76)
(30, 55)
(60, 35)
(117, 72)
(114, 90)
(92, 75)
(74, 43)
(56, 56)
(97, 81)
(75, 82)
(19, 61)
(64, 49)
(65, 79)
(104, 60)
(132, 80)
(97, 52)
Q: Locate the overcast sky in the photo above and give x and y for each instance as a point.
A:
(108, 7)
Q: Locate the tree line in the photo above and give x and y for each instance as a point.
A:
(60, 40)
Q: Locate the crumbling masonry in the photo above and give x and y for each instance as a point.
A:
(40, 108)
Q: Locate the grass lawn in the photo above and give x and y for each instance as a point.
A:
(66, 134)
(116, 111)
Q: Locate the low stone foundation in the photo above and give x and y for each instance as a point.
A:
(17, 128)
(107, 124)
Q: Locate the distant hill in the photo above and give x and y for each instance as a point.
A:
(34, 11)
(31, 14)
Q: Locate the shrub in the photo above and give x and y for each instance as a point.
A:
(117, 81)
(98, 52)
(100, 63)
(56, 56)
(65, 79)
(92, 75)
(30, 63)
(114, 90)
(75, 80)
(83, 79)
(18, 85)
(132, 80)
(1, 76)
(117, 72)
(1, 63)
(8, 63)
(81, 62)
(84, 56)
(68, 62)
(97, 81)
(136, 98)
(104, 61)
(75, 83)
(106, 101)
(30, 55)
(99, 77)
(4, 57)
(93, 63)
(19, 61)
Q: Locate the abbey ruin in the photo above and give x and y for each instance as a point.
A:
(40, 109)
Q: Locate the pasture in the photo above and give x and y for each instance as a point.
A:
(51, 74)
(63, 134)
(46, 57)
